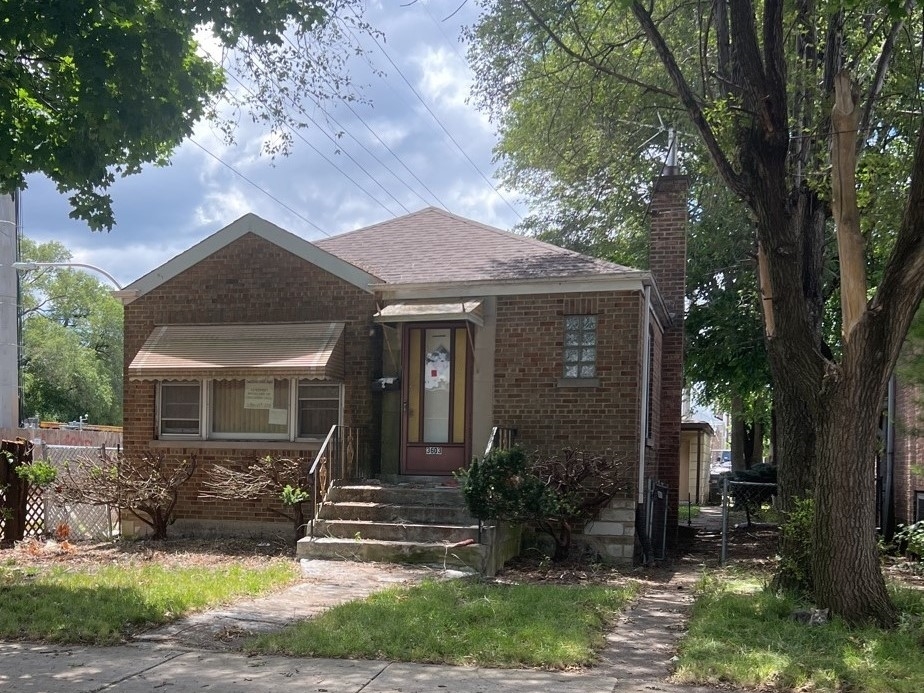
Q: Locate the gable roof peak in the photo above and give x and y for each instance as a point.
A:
(268, 231)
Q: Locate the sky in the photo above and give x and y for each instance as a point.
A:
(419, 107)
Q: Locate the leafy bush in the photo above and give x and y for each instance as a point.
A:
(910, 538)
(557, 494)
(38, 472)
(796, 566)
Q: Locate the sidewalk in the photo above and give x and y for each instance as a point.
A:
(195, 654)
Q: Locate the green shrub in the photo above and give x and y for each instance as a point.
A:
(501, 487)
(557, 494)
(796, 565)
(910, 539)
(38, 472)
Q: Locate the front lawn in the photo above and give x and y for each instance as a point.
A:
(462, 622)
(741, 634)
(102, 605)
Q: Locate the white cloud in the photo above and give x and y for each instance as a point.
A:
(162, 212)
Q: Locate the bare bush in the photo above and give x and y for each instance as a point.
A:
(271, 478)
(147, 487)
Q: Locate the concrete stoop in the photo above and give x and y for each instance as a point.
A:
(414, 521)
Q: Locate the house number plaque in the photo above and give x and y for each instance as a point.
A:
(434, 451)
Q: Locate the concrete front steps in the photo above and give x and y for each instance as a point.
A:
(420, 520)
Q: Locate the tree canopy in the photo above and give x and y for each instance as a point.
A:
(90, 91)
(71, 342)
(775, 100)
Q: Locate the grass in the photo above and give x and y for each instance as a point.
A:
(688, 512)
(742, 634)
(461, 622)
(102, 606)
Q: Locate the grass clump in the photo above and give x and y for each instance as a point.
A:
(103, 606)
(688, 512)
(461, 622)
(742, 634)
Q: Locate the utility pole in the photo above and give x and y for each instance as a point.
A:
(9, 312)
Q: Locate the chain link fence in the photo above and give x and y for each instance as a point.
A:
(745, 500)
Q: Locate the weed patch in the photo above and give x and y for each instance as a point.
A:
(462, 622)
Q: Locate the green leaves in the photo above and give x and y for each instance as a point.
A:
(72, 342)
(37, 473)
(294, 495)
(91, 91)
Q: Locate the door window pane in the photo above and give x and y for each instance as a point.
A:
(437, 380)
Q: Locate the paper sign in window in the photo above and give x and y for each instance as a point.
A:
(278, 417)
(258, 394)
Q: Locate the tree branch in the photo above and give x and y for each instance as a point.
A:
(728, 174)
(902, 286)
(589, 60)
(875, 88)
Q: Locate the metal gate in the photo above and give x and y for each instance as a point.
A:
(656, 519)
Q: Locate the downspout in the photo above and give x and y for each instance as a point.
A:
(888, 503)
(646, 374)
(699, 462)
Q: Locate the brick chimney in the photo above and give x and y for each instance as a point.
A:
(667, 256)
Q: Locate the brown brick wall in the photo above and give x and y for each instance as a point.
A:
(667, 262)
(529, 367)
(250, 280)
(909, 450)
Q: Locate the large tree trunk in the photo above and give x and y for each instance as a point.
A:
(794, 454)
(840, 399)
(846, 569)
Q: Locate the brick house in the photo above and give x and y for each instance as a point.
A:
(909, 453)
(900, 462)
(425, 332)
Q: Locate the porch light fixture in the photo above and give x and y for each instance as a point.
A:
(26, 265)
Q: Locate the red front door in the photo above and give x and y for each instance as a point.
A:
(437, 398)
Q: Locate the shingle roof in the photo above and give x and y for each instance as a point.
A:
(435, 246)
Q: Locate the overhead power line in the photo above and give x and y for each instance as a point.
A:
(437, 120)
(320, 153)
(258, 187)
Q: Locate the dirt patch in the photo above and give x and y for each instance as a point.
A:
(754, 546)
(42, 554)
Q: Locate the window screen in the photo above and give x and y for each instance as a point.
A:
(179, 408)
(318, 409)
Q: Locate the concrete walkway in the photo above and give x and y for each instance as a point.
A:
(197, 653)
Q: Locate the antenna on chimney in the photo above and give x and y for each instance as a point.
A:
(670, 165)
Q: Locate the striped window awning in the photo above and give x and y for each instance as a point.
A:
(425, 311)
(278, 350)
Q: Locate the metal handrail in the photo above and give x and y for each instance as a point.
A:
(502, 438)
(340, 450)
(323, 449)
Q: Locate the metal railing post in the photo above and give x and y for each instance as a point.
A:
(724, 521)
